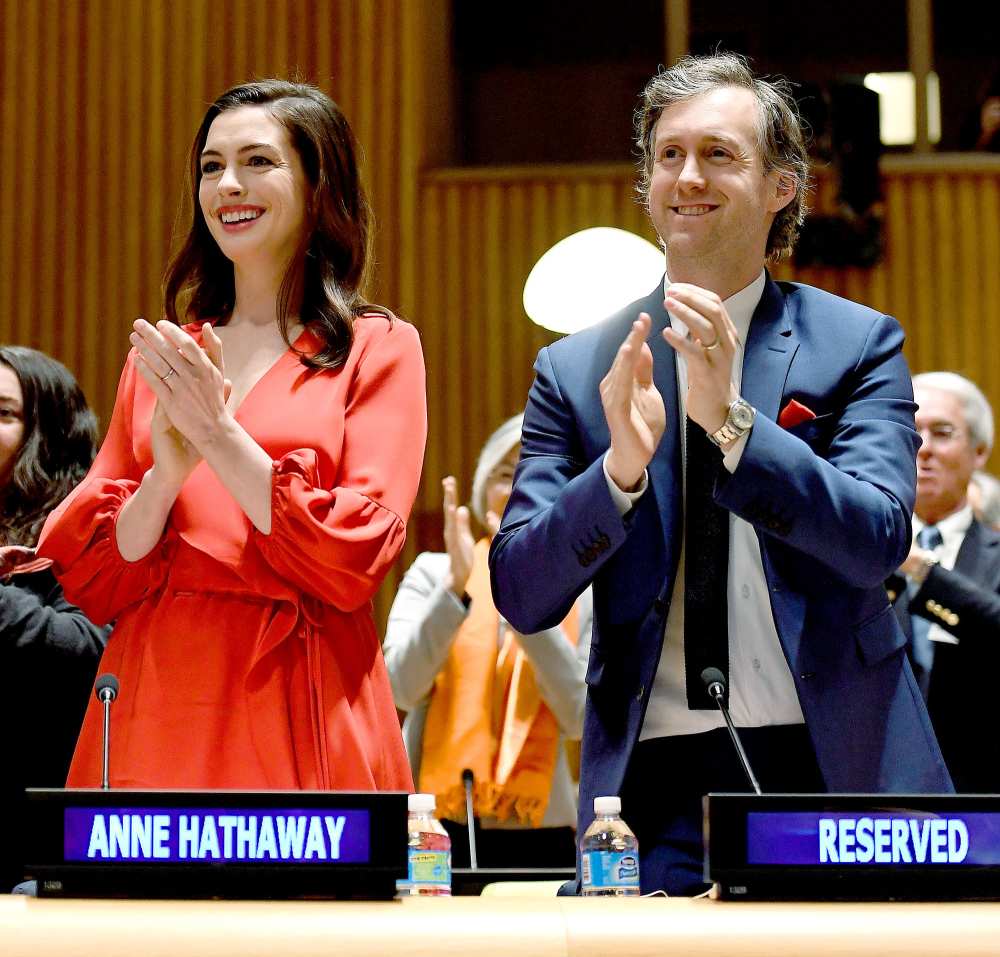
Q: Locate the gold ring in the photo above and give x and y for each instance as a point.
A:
(714, 345)
(163, 378)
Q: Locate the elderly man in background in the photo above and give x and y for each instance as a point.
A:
(947, 592)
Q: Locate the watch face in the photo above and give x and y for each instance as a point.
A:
(742, 414)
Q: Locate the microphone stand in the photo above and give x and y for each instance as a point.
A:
(106, 689)
(105, 773)
(470, 819)
(715, 685)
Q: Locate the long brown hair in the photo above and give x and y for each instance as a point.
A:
(59, 444)
(326, 276)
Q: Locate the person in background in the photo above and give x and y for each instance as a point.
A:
(984, 497)
(255, 483)
(947, 591)
(478, 695)
(982, 128)
(49, 649)
(729, 463)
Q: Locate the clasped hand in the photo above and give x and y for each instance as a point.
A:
(191, 390)
(633, 406)
(458, 539)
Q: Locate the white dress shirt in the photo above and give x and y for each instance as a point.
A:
(761, 689)
(953, 529)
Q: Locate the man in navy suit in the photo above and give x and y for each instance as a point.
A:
(792, 411)
(947, 592)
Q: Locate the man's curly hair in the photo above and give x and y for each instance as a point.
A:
(780, 139)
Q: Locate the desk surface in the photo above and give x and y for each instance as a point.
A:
(549, 927)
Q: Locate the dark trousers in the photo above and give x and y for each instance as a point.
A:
(516, 847)
(667, 777)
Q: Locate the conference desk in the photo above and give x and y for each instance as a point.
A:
(511, 927)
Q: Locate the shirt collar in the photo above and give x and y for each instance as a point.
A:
(956, 524)
(740, 306)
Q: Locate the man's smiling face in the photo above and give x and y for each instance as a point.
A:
(709, 198)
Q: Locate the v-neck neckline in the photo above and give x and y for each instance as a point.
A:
(291, 350)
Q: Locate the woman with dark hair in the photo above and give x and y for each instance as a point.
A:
(256, 479)
(48, 649)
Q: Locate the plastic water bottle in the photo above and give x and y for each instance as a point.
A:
(429, 849)
(609, 853)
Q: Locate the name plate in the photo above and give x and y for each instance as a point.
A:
(853, 846)
(216, 843)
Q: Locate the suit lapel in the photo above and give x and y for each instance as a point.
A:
(979, 556)
(665, 470)
(771, 345)
(968, 558)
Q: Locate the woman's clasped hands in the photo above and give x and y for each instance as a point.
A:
(191, 392)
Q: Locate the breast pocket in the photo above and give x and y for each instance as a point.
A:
(817, 431)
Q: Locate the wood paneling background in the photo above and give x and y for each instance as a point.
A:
(98, 104)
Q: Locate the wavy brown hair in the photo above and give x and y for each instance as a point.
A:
(780, 137)
(59, 445)
(326, 276)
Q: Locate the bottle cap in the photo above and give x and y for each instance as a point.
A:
(420, 803)
(608, 805)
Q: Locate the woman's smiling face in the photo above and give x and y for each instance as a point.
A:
(253, 188)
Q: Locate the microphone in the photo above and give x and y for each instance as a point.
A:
(106, 690)
(467, 779)
(715, 684)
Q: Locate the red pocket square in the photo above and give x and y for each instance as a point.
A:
(795, 413)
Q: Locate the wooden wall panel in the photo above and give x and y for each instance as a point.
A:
(940, 276)
(483, 230)
(98, 104)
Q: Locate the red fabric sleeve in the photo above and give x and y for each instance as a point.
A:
(338, 543)
(79, 536)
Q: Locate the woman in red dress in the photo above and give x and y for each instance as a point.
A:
(256, 479)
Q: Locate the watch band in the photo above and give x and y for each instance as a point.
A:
(729, 430)
(726, 434)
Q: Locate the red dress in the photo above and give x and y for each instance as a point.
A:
(249, 660)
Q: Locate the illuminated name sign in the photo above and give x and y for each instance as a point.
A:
(873, 839)
(255, 835)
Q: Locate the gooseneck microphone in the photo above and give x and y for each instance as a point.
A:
(467, 780)
(106, 690)
(715, 684)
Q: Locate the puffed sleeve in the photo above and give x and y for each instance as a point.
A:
(338, 543)
(79, 535)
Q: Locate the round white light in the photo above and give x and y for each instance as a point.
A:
(586, 277)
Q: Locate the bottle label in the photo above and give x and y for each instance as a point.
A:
(607, 869)
(429, 867)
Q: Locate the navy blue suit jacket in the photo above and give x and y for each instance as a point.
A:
(830, 500)
(965, 602)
